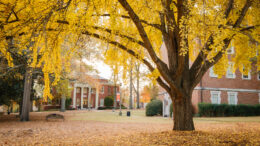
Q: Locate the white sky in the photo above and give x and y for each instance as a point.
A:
(103, 69)
(106, 72)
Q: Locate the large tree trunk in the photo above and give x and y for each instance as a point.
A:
(183, 116)
(26, 95)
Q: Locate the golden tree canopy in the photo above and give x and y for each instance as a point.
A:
(203, 29)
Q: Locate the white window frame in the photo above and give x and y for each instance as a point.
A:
(102, 90)
(249, 75)
(219, 97)
(211, 73)
(231, 48)
(229, 70)
(229, 94)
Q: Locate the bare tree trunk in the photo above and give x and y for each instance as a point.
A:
(26, 95)
(115, 96)
(183, 116)
(137, 85)
(63, 100)
(131, 87)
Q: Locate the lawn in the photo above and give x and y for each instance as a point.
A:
(108, 128)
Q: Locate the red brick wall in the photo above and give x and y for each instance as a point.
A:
(237, 83)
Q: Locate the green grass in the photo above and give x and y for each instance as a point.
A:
(227, 119)
(138, 116)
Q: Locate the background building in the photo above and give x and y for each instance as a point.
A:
(91, 94)
(233, 88)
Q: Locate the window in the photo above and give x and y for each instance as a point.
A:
(211, 73)
(230, 50)
(109, 90)
(93, 90)
(246, 76)
(232, 98)
(258, 75)
(215, 97)
(101, 102)
(230, 71)
(102, 90)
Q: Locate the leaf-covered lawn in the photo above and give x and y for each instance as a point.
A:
(107, 128)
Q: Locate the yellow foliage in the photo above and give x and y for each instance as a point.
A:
(41, 27)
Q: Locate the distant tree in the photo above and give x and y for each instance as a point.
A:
(150, 91)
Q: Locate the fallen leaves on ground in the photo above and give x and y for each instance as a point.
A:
(69, 132)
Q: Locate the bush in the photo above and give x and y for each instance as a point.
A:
(221, 110)
(154, 108)
(110, 107)
(109, 101)
(68, 103)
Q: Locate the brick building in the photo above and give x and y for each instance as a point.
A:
(233, 88)
(89, 95)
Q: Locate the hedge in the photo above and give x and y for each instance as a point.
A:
(223, 110)
(154, 108)
(110, 107)
(109, 101)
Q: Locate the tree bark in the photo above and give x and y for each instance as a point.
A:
(63, 100)
(137, 86)
(115, 103)
(183, 116)
(26, 95)
(131, 87)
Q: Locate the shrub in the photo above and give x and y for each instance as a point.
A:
(109, 101)
(154, 108)
(110, 107)
(68, 103)
(221, 110)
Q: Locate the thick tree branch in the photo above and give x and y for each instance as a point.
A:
(162, 67)
(119, 34)
(243, 13)
(110, 31)
(171, 35)
(229, 8)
